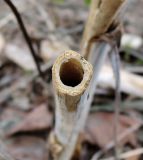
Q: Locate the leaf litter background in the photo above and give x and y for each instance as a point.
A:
(27, 104)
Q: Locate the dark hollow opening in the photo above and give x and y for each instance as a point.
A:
(71, 73)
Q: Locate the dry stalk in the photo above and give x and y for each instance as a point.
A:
(71, 75)
(101, 15)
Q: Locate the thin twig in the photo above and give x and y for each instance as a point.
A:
(25, 34)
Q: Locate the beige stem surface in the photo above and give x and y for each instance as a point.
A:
(101, 15)
(71, 75)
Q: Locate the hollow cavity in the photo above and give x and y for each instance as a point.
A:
(71, 72)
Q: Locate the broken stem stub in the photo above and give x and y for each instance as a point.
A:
(71, 75)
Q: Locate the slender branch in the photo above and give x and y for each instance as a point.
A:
(25, 34)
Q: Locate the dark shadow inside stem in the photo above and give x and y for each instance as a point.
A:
(71, 72)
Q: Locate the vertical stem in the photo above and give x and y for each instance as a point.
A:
(101, 15)
(71, 75)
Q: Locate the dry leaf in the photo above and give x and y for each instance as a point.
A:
(9, 118)
(38, 119)
(129, 155)
(20, 56)
(131, 41)
(28, 148)
(99, 129)
(130, 83)
(136, 157)
(50, 49)
(2, 42)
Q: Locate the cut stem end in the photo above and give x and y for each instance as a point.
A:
(71, 73)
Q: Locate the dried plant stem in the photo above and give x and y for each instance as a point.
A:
(100, 17)
(25, 34)
(71, 76)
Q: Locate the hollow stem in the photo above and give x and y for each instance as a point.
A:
(71, 76)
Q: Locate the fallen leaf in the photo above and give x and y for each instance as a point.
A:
(2, 43)
(9, 118)
(66, 17)
(21, 102)
(131, 41)
(129, 155)
(136, 157)
(38, 119)
(27, 148)
(20, 56)
(99, 129)
(50, 49)
(130, 83)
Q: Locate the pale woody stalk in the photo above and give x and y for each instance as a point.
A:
(73, 103)
(71, 76)
(101, 15)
